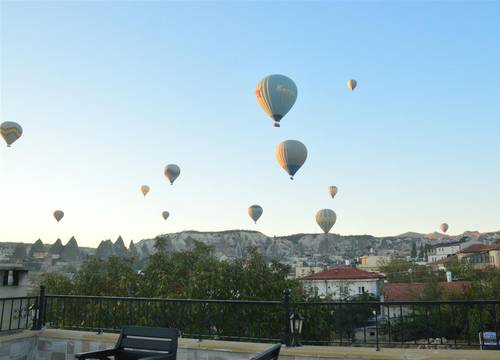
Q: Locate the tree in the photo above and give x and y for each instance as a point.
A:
(413, 253)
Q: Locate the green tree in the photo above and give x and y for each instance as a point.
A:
(413, 252)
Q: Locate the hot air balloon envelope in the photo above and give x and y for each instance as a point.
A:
(276, 95)
(332, 190)
(351, 84)
(443, 227)
(172, 172)
(10, 131)
(165, 214)
(58, 214)
(255, 212)
(326, 218)
(144, 189)
(291, 155)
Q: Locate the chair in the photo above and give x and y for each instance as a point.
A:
(136, 342)
(270, 354)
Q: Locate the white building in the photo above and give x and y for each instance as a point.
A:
(442, 251)
(13, 284)
(342, 282)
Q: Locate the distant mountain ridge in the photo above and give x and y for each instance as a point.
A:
(233, 244)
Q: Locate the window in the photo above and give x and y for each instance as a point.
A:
(361, 289)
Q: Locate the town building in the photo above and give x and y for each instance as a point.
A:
(372, 262)
(342, 283)
(442, 251)
(302, 271)
(481, 256)
(13, 284)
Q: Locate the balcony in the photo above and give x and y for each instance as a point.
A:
(56, 327)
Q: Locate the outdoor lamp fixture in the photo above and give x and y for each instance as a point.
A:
(296, 329)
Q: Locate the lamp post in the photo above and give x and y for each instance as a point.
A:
(296, 329)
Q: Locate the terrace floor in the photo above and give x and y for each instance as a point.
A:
(53, 344)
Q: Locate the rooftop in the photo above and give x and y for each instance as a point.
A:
(413, 291)
(343, 273)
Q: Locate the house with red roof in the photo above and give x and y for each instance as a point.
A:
(342, 282)
(481, 256)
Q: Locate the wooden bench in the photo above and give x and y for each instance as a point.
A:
(136, 342)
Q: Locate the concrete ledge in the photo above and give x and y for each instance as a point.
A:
(192, 349)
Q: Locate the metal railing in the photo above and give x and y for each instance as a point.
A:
(17, 313)
(406, 324)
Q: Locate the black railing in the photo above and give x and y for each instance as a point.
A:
(408, 324)
(17, 313)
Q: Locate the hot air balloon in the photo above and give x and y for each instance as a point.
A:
(11, 131)
(351, 84)
(276, 95)
(443, 227)
(172, 172)
(326, 219)
(165, 214)
(255, 212)
(291, 155)
(58, 214)
(332, 190)
(144, 189)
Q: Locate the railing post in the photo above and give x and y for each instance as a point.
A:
(40, 311)
(286, 317)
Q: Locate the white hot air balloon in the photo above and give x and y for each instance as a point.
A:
(326, 218)
(351, 84)
(291, 155)
(165, 215)
(276, 95)
(172, 172)
(255, 212)
(443, 227)
(10, 131)
(332, 190)
(58, 214)
(144, 189)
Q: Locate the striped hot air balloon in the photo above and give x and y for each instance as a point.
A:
(10, 131)
(172, 172)
(276, 95)
(255, 212)
(332, 190)
(291, 155)
(351, 84)
(326, 218)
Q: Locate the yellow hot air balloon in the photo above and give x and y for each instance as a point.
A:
(332, 190)
(351, 84)
(10, 131)
(326, 218)
(443, 227)
(172, 172)
(165, 215)
(291, 155)
(144, 189)
(276, 95)
(255, 212)
(58, 214)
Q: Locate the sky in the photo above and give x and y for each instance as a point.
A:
(110, 92)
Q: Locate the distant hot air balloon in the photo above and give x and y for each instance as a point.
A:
(326, 218)
(351, 84)
(332, 190)
(58, 214)
(276, 95)
(10, 131)
(443, 227)
(291, 155)
(165, 215)
(144, 189)
(172, 172)
(255, 212)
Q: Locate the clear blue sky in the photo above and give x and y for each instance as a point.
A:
(108, 93)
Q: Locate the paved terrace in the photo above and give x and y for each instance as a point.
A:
(53, 344)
